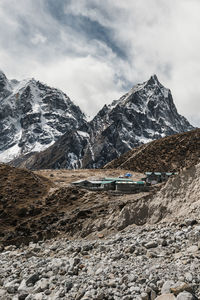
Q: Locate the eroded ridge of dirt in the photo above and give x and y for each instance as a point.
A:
(168, 154)
(179, 198)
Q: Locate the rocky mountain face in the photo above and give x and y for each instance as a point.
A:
(147, 112)
(33, 116)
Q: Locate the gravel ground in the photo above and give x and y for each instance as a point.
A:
(141, 262)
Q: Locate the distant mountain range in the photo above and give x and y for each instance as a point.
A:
(42, 128)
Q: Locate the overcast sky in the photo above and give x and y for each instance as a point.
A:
(96, 50)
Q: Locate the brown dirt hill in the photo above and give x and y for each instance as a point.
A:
(168, 154)
(21, 197)
(43, 204)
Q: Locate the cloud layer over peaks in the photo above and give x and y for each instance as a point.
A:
(97, 50)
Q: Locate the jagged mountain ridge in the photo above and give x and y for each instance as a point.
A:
(146, 113)
(33, 116)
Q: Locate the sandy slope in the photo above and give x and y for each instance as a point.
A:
(179, 198)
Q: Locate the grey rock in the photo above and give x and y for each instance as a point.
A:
(166, 297)
(144, 296)
(2, 293)
(32, 279)
(23, 296)
(167, 286)
(152, 244)
(185, 296)
(68, 285)
(188, 277)
(41, 285)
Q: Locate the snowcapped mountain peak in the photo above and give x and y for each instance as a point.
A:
(33, 116)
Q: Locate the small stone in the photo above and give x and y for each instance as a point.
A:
(2, 293)
(32, 279)
(177, 255)
(192, 249)
(153, 295)
(98, 271)
(164, 243)
(190, 222)
(181, 288)
(10, 248)
(131, 249)
(100, 235)
(23, 287)
(87, 247)
(185, 296)
(68, 285)
(23, 296)
(62, 294)
(166, 287)
(47, 292)
(144, 296)
(111, 283)
(100, 296)
(188, 277)
(152, 244)
(166, 297)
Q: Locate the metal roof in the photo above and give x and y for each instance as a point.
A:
(100, 181)
(130, 182)
(118, 179)
(95, 181)
(106, 182)
(154, 173)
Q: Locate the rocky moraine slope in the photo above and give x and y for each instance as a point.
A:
(145, 113)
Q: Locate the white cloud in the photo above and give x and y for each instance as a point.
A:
(82, 79)
(159, 37)
(38, 39)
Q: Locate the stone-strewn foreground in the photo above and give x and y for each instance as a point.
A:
(137, 263)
